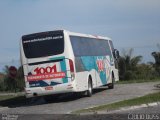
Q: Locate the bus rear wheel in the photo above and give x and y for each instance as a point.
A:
(90, 88)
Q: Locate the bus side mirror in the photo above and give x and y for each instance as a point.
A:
(116, 54)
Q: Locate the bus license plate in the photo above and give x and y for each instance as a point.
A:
(49, 88)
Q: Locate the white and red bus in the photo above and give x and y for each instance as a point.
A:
(60, 61)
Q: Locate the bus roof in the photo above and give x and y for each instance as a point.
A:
(71, 33)
(87, 35)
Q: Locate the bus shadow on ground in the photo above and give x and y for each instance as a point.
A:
(22, 101)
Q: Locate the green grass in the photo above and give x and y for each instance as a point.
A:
(154, 97)
(6, 97)
(137, 81)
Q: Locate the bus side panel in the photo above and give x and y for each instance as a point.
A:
(116, 74)
(104, 71)
(81, 81)
(97, 66)
(85, 66)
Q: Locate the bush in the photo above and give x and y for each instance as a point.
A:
(20, 84)
(146, 71)
(2, 86)
(12, 84)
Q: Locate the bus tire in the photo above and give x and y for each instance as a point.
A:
(90, 88)
(111, 85)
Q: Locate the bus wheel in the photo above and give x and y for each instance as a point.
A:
(90, 88)
(111, 85)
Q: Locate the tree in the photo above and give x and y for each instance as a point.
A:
(6, 70)
(20, 79)
(11, 84)
(128, 65)
(156, 65)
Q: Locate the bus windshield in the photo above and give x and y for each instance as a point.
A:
(43, 44)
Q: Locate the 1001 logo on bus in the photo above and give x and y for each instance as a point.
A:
(100, 65)
(103, 66)
(46, 70)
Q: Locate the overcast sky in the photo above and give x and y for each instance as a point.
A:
(130, 23)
